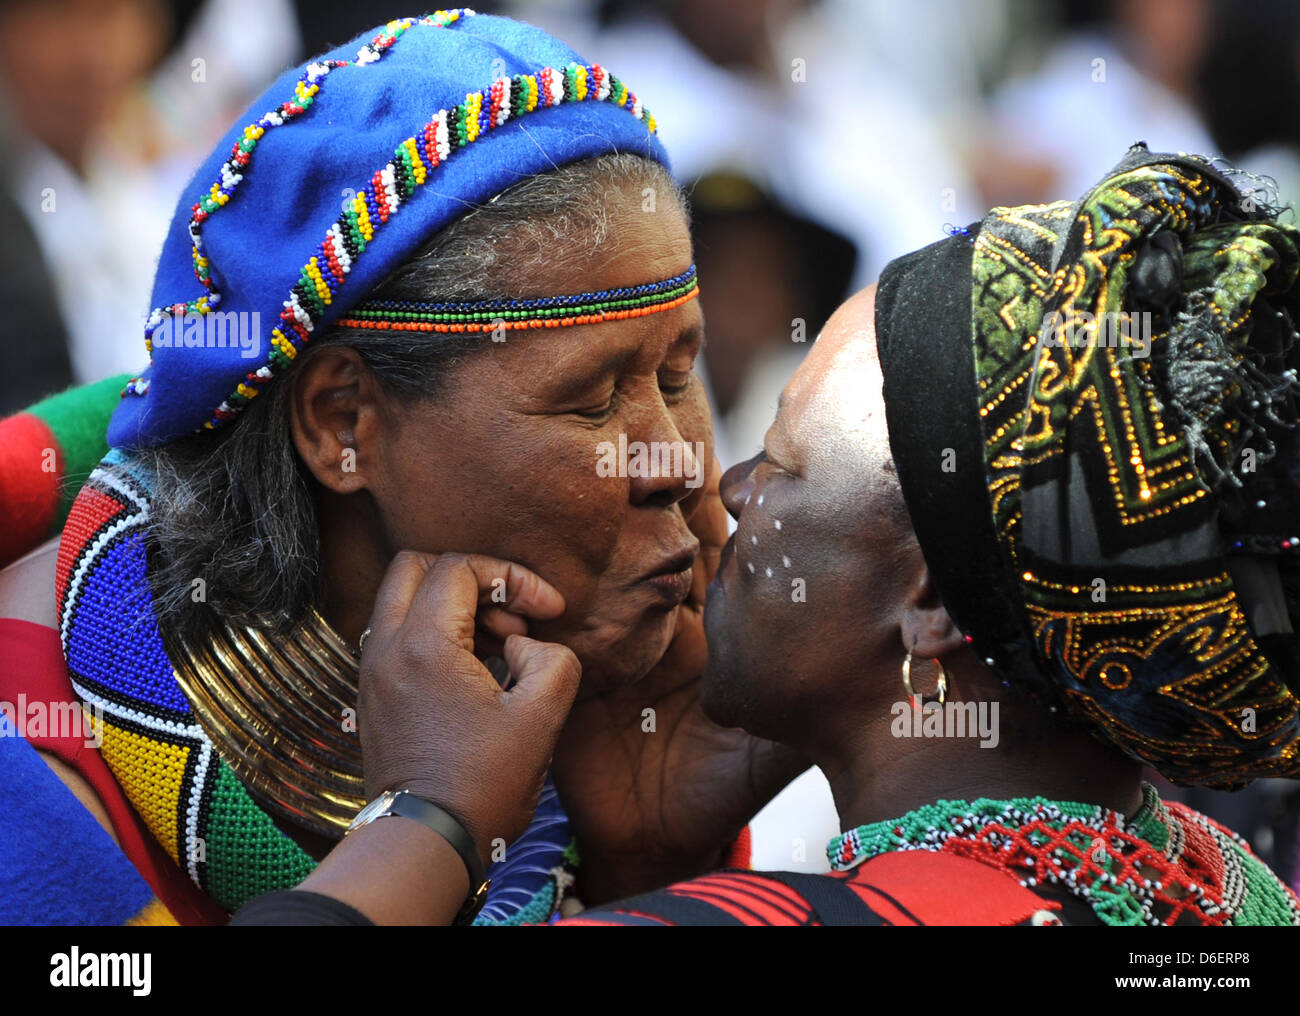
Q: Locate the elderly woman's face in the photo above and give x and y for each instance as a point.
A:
(809, 585)
(508, 459)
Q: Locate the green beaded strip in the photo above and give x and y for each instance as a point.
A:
(247, 854)
(1266, 901)
(1151, 821)
(598, 307)
(925, 827)
(1253, 894)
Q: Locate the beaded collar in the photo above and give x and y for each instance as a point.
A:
(184, 762)
(1165, 863)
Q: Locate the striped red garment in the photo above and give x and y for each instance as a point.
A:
(898, 889)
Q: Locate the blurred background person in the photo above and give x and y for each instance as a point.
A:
(66, 68)
(1105, 75)
(106, 105)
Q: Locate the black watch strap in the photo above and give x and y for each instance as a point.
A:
(446, 825)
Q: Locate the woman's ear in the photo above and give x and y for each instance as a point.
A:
(926, 628)
(335, 418)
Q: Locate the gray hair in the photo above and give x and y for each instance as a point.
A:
(236, 507)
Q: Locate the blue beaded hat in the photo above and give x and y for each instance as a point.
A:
(365, 153)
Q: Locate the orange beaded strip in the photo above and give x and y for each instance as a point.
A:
(490, 326)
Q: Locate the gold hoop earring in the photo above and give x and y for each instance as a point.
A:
(941, 692)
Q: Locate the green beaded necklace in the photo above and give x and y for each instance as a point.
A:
(1163, 864)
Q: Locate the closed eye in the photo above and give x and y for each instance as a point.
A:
(774, 467)
(600, 412)
(669, 388)
(596, 414)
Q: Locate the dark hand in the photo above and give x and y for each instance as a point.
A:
(433, 720)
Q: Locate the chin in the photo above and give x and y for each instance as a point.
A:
(720, 697)
(615, 658)
(735, 690)
(729, 702)
(723, 698)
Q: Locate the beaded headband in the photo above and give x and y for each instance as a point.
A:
(538, 312)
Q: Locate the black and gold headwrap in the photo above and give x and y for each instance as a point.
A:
(1092, 409)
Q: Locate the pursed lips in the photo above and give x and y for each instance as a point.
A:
(673, 578)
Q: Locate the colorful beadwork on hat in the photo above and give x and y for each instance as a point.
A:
(171, 771)
(259, 238)
(380, 197)
(541, 312)
(1167, 864)
(241, 156)
(439, 139)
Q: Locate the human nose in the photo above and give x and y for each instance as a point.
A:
(737, 485)
(669, 467)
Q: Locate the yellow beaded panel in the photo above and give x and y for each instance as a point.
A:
(151, 774)
(154, 915)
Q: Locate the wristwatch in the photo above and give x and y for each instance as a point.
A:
(406, 805)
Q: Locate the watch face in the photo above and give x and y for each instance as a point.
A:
(373, 810)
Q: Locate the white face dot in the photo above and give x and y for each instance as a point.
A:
(754, 540)
(751, 567)
(768, 572)
(760, 499)
(777, 523)
(785, 561)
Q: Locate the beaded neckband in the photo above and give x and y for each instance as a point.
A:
(1164, 864)
(541, 312)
